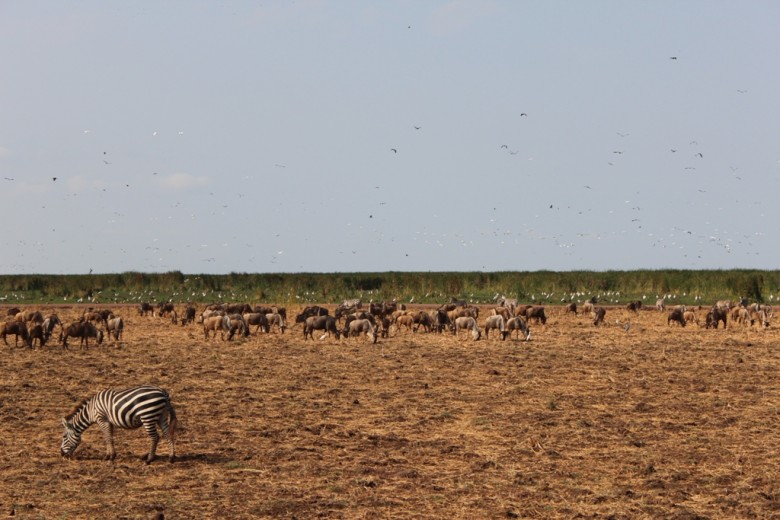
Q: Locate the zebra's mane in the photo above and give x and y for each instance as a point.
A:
(76, 409)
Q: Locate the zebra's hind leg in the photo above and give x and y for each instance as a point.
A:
(151, 429)
(168, 427)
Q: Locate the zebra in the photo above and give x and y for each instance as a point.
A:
(131, 408)
(348, 307)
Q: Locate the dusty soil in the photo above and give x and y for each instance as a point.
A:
(580, 422)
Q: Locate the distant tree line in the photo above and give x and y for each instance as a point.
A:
(683, 286)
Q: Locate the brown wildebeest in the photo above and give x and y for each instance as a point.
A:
(536, 313)
(189, 315)
(216, 323)
(17, 328)
(259, 319)
(13, 311)
(144, 308)
(716, 315)
(676, 316)
(405, 320)
(634, 306)
(82, 330)
(37, 332)
(501, 311)
(598, 315)
(570, 307)
(313, 310)
(324, 323)
(424, 320)
(165, 308)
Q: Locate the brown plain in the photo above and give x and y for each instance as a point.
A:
(580, 422)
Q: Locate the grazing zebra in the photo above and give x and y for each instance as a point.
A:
(143, 405)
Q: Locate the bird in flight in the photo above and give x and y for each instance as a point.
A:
(672, 57)
(523, 114)
(417, 127)
(393, 150)
(54, 179)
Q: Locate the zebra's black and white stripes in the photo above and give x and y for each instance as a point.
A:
(146, 406)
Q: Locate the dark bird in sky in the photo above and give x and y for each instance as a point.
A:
(393, 150)
(699, 154)
(106, 162)
(8, 178)
(672, 57)
(54, 179)
(504, 146)
(417, 127)
(673, 150)
(618, 152)
(741, 91)
(523, 114)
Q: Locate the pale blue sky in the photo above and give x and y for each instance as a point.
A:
(211, 137)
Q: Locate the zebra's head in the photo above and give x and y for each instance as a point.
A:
(71, 438)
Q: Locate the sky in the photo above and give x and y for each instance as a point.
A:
(404, 135)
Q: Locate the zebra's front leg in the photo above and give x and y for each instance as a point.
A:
(108, 433)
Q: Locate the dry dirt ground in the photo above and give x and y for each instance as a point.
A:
(580, 422)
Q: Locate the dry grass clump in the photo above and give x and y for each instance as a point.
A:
(659, 422)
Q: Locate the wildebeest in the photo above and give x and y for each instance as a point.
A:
(115, 327)
(634, 306)
(740, 316)
(441, 320)
(468, 323)
(312, 310)
(509, 303)
(501, 311)
(258, 319)
(690, 317)
(216, 323)
(144, 308)
(236, 324)
(82, 330)
(37, 332)
(165, 308)
(324, 323)
(536, 313)
(517, 323)
(676, 316)
(30, 316)
(760, 317)
(361, 326)
(588, 307)
(13, 311)
(275, 320)
(660, 304)
(570, 307)
(405, 320)
(424, 320)
(598, 314)
(382, 309)
(17, 328)
(49, 324)
(188, 316)
(495, 322)
(716, 315)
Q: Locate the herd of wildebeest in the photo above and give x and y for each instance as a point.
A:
(353, 318)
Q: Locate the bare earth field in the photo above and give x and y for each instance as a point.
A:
(580, 422)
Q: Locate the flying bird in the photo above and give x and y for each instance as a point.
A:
(393, 150)
(523, 114)
(54, 179)
(504, 146)
(699, 154)
(417, 127)
(672, 57)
